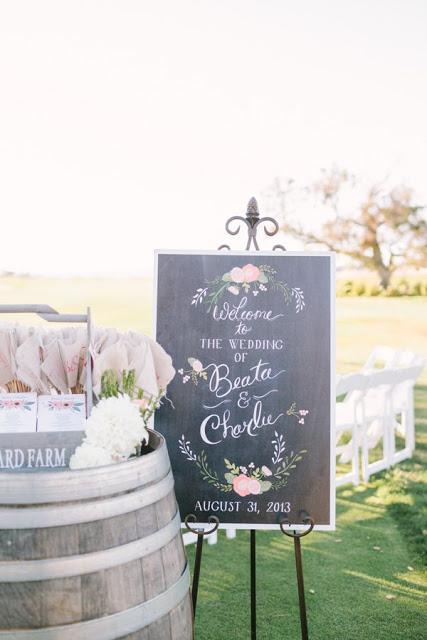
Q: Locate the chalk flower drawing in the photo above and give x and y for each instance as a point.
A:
(245, 280)
(300, 413)
(15, 403)
(247, 479)
(196, 372)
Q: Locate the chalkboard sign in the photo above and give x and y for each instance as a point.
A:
(249, 416)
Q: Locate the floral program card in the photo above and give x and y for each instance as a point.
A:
(64, 412)
(18, 412)
(248, 418)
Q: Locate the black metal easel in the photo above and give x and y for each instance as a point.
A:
(200, 532)
(252, 222)
(297, 535)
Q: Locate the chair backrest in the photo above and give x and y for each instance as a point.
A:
(384, 378)
(406, 358)
(355, 386)
(409, 374)
(394, 384)
(383, 355)
(351, 382)
(390, 358)
(419, 361)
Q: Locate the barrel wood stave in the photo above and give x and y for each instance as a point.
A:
(154, 571)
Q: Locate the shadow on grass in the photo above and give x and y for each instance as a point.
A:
(411, 517)
(407, 484)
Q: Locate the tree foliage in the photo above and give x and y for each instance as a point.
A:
(386, 230)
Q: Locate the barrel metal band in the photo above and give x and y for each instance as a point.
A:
(39, 517)
(113, 626)
(63, 486)
(76, 565)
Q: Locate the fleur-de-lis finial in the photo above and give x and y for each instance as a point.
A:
(252, 210)
(252, 220)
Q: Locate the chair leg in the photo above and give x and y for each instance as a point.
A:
(383, 463)
(365, 454)
(390, 438)
(410, 421)
(355, 460)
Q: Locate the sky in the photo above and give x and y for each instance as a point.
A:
(128, 126)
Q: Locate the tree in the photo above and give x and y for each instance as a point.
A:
(386, 230)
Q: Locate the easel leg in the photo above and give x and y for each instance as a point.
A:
(253, 584)
(284, 524)
(200, 533)
(196, 575)
(301, 594)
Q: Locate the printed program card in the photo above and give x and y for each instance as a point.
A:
(18, 412)
(65, 412)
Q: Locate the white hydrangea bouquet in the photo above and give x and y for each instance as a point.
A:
(117, 426)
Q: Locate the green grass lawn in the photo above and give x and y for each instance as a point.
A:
(365, 581)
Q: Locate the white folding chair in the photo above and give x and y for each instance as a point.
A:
(402, 397)
(376, 407)
(350, 416)
(379, 419)
(402, 404)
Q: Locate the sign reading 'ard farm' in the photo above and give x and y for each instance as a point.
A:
(248, 417)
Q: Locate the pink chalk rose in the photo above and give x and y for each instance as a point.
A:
(237, 275)
(197, 366)
(250, 273)
(241, 485)
(254, 486)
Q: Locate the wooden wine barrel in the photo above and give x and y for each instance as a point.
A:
(94, 554)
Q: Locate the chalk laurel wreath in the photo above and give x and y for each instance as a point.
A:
(247, 279)
(247, 479)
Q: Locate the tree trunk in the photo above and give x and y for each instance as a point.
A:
(385, 276)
